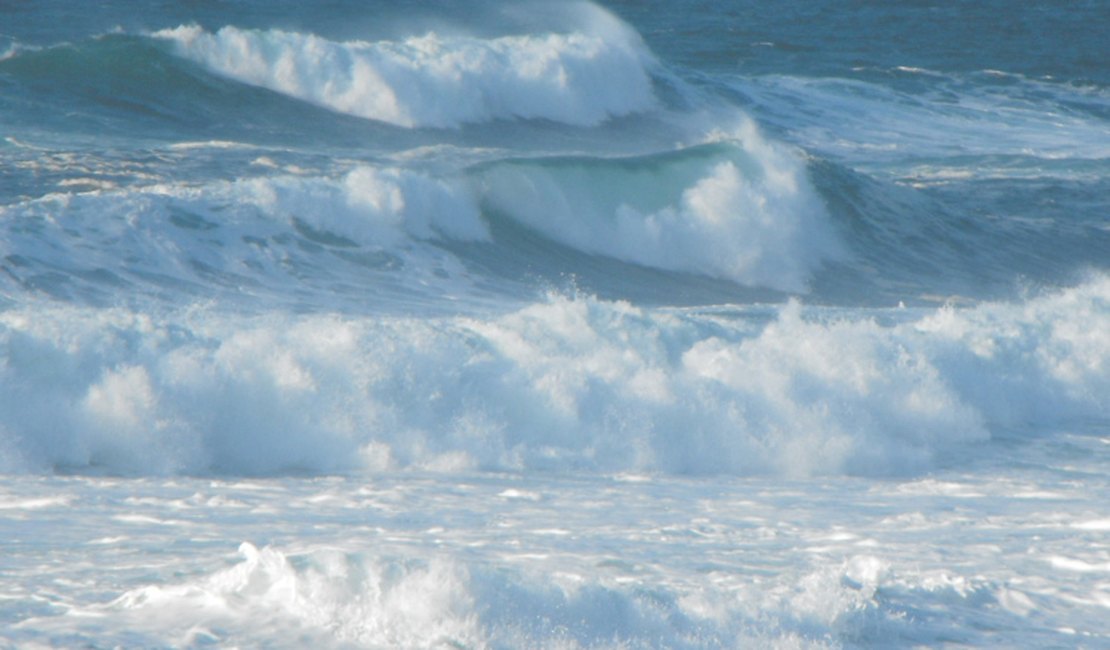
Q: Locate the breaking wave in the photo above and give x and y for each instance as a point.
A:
(566, 384)
(742, 210)
(582, 78)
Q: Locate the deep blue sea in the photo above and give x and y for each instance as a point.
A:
(366, 324)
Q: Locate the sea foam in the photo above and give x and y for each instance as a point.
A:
(583, 77)
(742, 209)
(567, 384)
(333, 599)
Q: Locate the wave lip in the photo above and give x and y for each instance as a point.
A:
(581, 78)
(742, 210)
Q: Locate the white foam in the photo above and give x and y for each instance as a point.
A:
(33, 503)
(333, 598)
(338, 599)
(583, 77)
(14, 48)
(1043, 362)
(1072, 564)
(569, 383)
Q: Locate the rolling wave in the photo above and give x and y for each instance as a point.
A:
(736, 220)
(580, 78)
(566, 384)
(743, 211)
(349, 311)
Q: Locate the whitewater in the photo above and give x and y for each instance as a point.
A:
(554, 325)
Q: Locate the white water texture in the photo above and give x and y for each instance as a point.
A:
(420, 561)
(570, 383)
(743, 210)
(580, 78)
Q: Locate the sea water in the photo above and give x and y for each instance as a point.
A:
(365, 324)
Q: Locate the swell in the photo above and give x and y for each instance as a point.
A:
(376, 235)
(911, 121)
(117, 72)
(490, 92)
(741, 211)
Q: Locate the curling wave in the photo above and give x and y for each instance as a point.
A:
(742, 210)
(582, 78)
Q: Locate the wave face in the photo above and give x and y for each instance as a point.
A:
(743, 211)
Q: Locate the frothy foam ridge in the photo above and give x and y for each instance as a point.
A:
(567, 384)
(582, 78)
(331, 598)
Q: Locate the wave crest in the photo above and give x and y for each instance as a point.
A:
(579, 78)
(743, 210)
(567, 384)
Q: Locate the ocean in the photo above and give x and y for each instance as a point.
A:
(367, 324)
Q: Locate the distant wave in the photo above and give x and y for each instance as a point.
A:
(581, 78)
(975, 125)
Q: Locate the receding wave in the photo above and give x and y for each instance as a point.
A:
(567, 384)
(582, 78)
